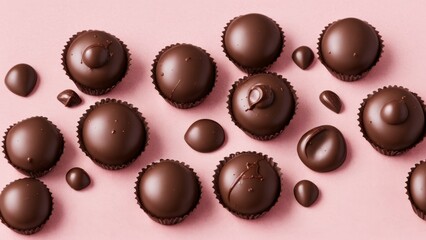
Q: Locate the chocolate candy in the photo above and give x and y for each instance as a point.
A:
(33, 146)
(416, 188)
(303, 57)
(331, 101)
(350, 47)
(247, 184)
(21, 79)
(69, 98)
(25, 205)
(205, 135)
(168, 191)
(184, 74)
(306, 193)
(322, 149)
(253, 42)
(262, 105)
(112, 133)
(96, 61)
(77, 178)
(392, 120)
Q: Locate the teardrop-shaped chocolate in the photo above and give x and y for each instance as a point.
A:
(331, 101)
(303, 57)
(21, 79)
(394, 112)
(205, 135)
(306, 193)
(260, 96)
(77, 178)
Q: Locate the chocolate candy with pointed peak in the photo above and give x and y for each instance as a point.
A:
(21, 79)
(205, 135)
(25, 205)
(253, 42)
(306, 193)
(184, 74)
(69, 98)
(331, 100)
(77, 178)
(303, 57)
(33, 146)
(322, 149)
(393, 120)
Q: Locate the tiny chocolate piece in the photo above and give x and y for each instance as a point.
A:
(322, 149)
(306, 193)
(303, 57)
(69, 98)
(77, 178)
(331, 101)
(168, 191)
(21, 79)
(253, 42)
(205, 135)
(25, 205)
(33, 146)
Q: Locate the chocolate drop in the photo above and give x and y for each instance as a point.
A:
(205, 135)
(69, 98)
(21, 79)
(306, 193)
(95, 56)
(394, 112)
(331, 101)
(303, 57)
(77, 178)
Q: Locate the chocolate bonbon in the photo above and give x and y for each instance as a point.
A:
(331, 100)
(303, 57)
(77, 178)
(21, 79)
(416, 188)
(205, 135)
(306, 193)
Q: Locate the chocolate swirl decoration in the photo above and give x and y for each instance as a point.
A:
(260, 96)
(244, 175)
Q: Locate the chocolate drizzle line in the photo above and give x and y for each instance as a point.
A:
(240, 177)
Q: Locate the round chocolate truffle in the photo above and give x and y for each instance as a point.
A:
(21, 79)
(184, 74)
(112, 133)
(96, 61)
(205, 135)
(247, 184)
(350, 47)
(322, 149)
(253, 42)
(262, 105)
(392, 119)
(33, 146)
(168, 191)
(77, 178)
(25, 205)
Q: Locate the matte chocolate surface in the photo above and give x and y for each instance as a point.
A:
(205, 135)
(253, 42)
(113, 133)
(393, 119)
(303, 57)
(168, 189)
(262, 104)
(77, 178)
(331, 100)
(25, 205)
(322, 149)
(306, 193)
(21, 79)
(69, 98)
(350, 46)
(33, 146)
(248, 184)
(184, 73)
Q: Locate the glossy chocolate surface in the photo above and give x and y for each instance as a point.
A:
(69, 98)
(248, 184)
(77, 178)
(350, 46)
(33, 145)
(306, 193)
(205, 135)
(417, 186)
(322, 149)
(331, 100)
(21, 79)
(303, 57)
(25, 204)
(253, 41)
(393, 118)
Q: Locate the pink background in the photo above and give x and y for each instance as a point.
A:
(364, 199)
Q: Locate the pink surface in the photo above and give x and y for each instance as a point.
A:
(364, 199)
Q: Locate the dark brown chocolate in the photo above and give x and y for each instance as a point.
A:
(184, 74)
(112, 133)
(248, 184)
(168, 191)
(306, 193)
(33, 146)
(253, 42)
(69, 98)
(322, 149)
(331, 100)
(205, 135)
(303, 57)
(77, 178)
(393, 119)
(25, 205)
(21, 79)
(262, 105)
